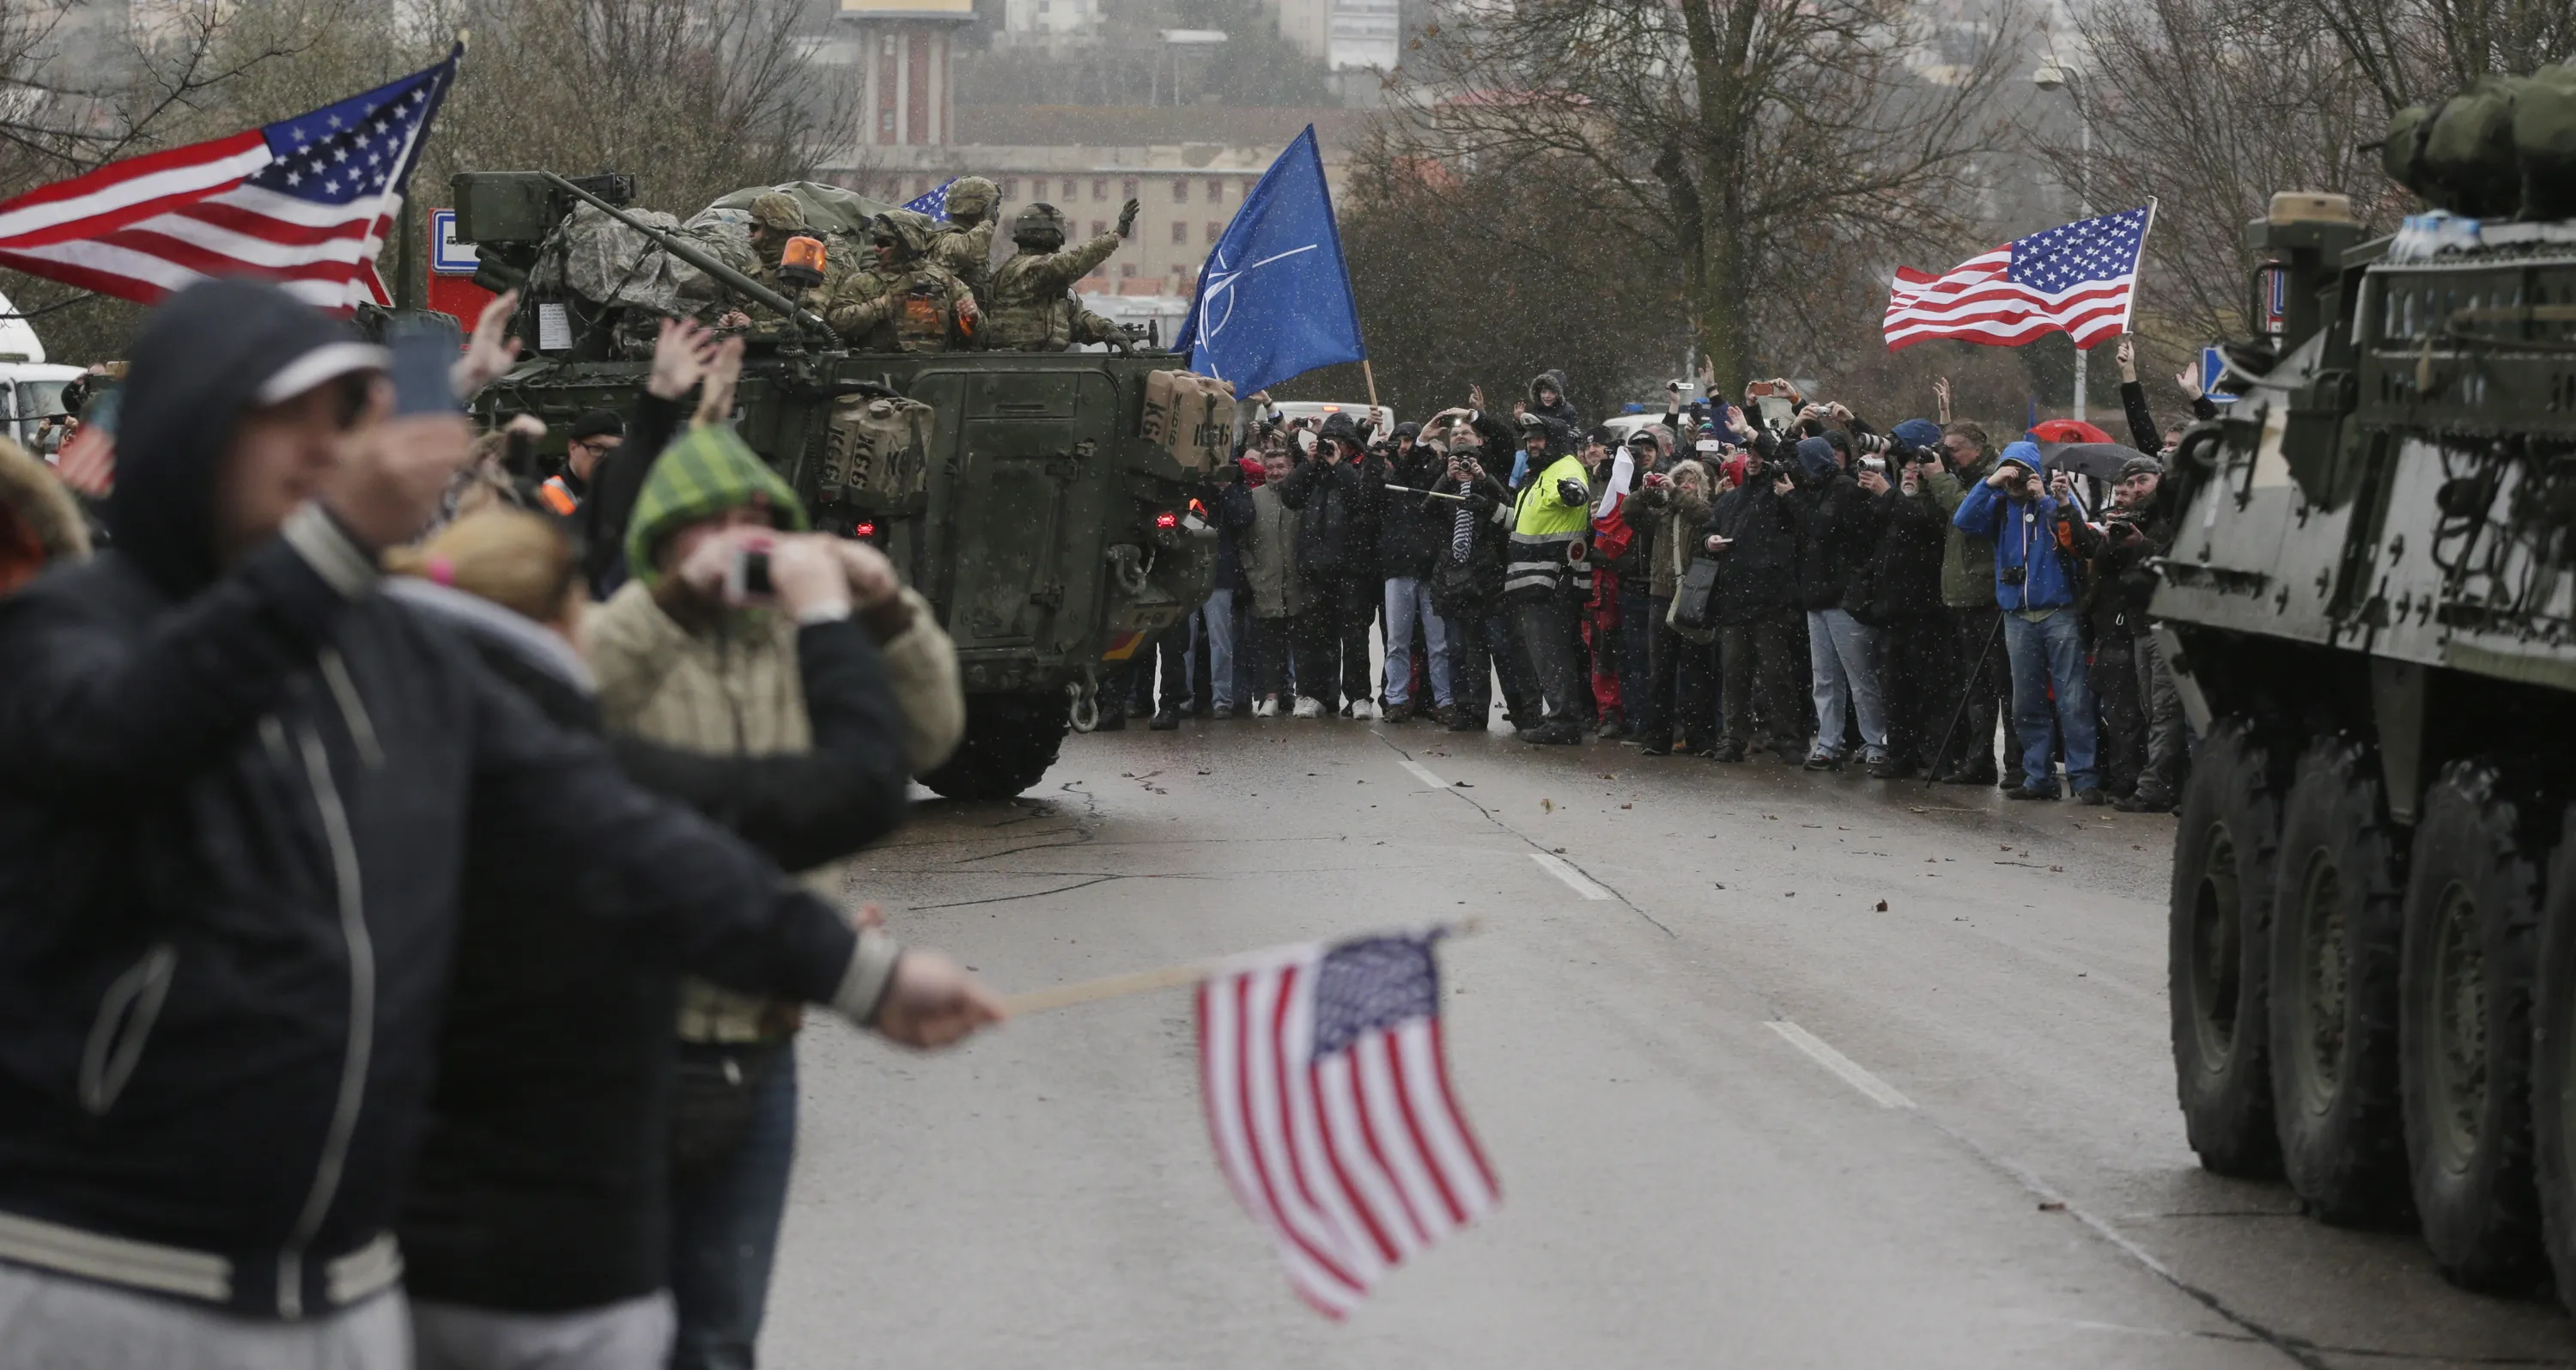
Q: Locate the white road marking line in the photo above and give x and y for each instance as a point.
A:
(1574, 879)
(1422, 773)
(1840, 1064)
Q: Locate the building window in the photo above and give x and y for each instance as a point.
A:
(1216, 192)
(920, 187)
(1180, 233)
(1011, 188)
(1126, 270)
(1180, 191)
(1069, 190)
(1100, 187)
(1247, 189)
(1215, 230)
(1127, 188)
(1098, 227)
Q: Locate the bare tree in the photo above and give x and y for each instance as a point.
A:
(1783, 151)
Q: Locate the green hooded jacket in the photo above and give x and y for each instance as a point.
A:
(706, 471)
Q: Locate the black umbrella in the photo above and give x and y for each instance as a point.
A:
(2099, 460)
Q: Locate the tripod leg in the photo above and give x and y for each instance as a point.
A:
(1975, 673)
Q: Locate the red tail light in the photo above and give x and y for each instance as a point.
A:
(1167, 519)
(864, 530)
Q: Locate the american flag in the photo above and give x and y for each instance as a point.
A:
(2077, 278)
(1329, 1101)
(306, 201)
(935, 203)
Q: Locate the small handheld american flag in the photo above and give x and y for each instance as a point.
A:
(1328, 1098)
(2079, 278)
(305, 201)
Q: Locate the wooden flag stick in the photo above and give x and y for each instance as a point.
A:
(1371, 377)
(1147, 981)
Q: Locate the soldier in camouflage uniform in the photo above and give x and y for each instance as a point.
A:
(965, 242)
(775, 218)
(1031, 305)
(907, 302)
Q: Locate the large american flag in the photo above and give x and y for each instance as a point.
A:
(1329, 1101)
(306, 201)
(2078, 278)
(933, 202)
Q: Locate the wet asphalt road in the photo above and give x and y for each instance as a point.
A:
(1644, 1035)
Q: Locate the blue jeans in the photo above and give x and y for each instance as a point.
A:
(724, 1233)
(2050, 653)
(1218, 617)
(1842, 653)
(1407, 601)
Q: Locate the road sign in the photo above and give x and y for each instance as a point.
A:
(2212, 366)
(448, 257)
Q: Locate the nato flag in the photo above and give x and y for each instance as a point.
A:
(1274, 299)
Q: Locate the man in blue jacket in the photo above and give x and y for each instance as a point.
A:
(2043, 638)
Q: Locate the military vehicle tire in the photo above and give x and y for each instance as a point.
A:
(2553, 1064)
(2337, 923)
(1010, 742)
(2464, 985)
(2219, 949)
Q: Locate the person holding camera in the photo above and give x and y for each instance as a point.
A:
(2141, 714)
(695, 652)
(1968, 602)
(1337, 556)
(1466, 579)
(1898, 594)
(1760, 634)
(2043, 632)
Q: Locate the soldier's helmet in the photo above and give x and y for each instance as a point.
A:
(909, 232)
(779, 212)
(972, 199)
(1039, 223)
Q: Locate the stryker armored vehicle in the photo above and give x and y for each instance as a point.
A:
(2370, 609)
(1041, 501)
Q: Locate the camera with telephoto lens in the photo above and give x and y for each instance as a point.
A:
(2012, 575)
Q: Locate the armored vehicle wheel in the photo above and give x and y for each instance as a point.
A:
(2472, 919)
(2218, 950)
(1011, 740)
(2337, 921)
(2553, 1065)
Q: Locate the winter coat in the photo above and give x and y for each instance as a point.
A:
(2119, 578)
(1675, 515)
(229, 861)
(1837, 534)
(605, 513)
(1968, 559)
(1759, 577)
(40, 523)
(1412, 530)
(1272, 569)
(1902, 577)
(2025, 537)
(1562, 413)
(1471, 589)
(541, 1184)
(1233, 523)
(1330, 504)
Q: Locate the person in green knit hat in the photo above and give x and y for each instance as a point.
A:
(684, 657)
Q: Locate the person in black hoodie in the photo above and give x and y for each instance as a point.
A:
(540, 1204)
(1335, 554)
(1760, 636)
(240, 785)
(1547, 399)
(1897, 592)
(1837, 530)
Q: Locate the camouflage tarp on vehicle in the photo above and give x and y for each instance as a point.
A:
(2503, 147)
(608, 263)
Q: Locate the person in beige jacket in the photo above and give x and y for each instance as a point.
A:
(685, 658)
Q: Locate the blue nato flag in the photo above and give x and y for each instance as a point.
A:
(1274, 299)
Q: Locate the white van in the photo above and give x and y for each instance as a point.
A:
(1380, 415)
(30, 390)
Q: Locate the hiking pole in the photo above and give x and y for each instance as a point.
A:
(1975, 674)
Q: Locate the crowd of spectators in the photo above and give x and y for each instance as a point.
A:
(1775, 576)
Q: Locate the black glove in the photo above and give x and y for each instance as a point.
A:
(1573, 492)
(1127, 219)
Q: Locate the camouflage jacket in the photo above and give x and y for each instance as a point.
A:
(1029, 305)
(907, 308)
(967, 253)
